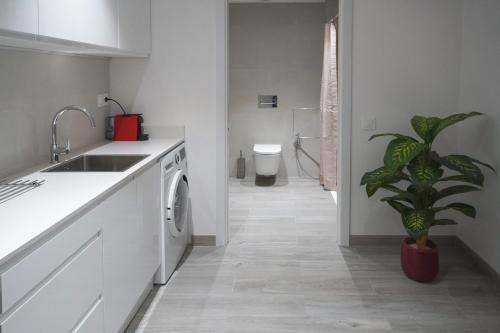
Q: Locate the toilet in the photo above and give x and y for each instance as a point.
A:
(267, 159)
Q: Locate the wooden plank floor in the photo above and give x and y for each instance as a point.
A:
(282, 272)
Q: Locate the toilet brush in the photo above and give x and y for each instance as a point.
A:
(240, 170)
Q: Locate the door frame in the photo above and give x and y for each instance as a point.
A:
(221, 119)
(345, 121)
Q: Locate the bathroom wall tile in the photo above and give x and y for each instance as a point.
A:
(274, 49)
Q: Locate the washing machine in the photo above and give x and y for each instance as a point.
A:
(174, 228)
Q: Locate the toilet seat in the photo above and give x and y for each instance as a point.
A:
(267, 149)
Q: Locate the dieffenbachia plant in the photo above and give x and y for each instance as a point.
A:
(421, 172)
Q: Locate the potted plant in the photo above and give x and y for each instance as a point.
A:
(419, 173)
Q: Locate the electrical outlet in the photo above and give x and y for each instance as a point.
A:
(368, 123)
(101, 100)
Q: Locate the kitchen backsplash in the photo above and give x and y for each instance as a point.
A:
(33, 87)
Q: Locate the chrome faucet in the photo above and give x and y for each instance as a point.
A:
(56, 150)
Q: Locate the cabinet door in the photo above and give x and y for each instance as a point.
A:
(135, 25)
(148, 191)
(131, 252)
(123, 282)
(19, 15)
(86, 21)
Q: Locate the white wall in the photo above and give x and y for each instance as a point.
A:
(405, 62)
(33, 87)
(428, 57)
(182, 84)
(480, 138)
(275, 49)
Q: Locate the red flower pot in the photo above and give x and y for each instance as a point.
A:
(419, 265)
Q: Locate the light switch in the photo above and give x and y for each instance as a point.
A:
(368, 123)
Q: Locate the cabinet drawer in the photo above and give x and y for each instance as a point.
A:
(93, 321)
(21, 278)
(64, 300)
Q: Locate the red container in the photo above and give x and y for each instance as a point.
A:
(126, 127)
(419, 265)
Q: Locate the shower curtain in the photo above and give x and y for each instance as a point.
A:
(329, 110)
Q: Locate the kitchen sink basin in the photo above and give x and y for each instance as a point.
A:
(98, 163)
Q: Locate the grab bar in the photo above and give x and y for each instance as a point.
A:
(306, 109)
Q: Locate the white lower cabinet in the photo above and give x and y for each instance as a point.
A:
(121, 221)
(18, 280)
(61, 302)
(130, 246)
(90, 276)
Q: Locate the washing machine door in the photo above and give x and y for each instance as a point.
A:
(177, 204)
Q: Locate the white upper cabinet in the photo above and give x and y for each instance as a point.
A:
(85, 21)
(93, 27)
(19, 16)
(134, 25)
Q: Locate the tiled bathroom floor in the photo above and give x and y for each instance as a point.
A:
(282, 272)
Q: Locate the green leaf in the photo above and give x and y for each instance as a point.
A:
(424, 173)
(451, 120)
(464, 165)
(405, 196)
(424, 198)
(401, 208)
(464, 208)
(484, 164)
(424, 127)
(393, 189)
(417, 222)
(396, 135)
(380, 177)
(371, 188)
(453, 190)
(381, 174)
(444, 222)
(461, 178)
(400, 152)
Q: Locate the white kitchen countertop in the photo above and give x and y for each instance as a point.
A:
(33, 216)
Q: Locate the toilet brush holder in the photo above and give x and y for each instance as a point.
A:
(240, 167)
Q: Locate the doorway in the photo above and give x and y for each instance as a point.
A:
(257, 52)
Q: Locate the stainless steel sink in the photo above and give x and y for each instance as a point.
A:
(98, 163)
